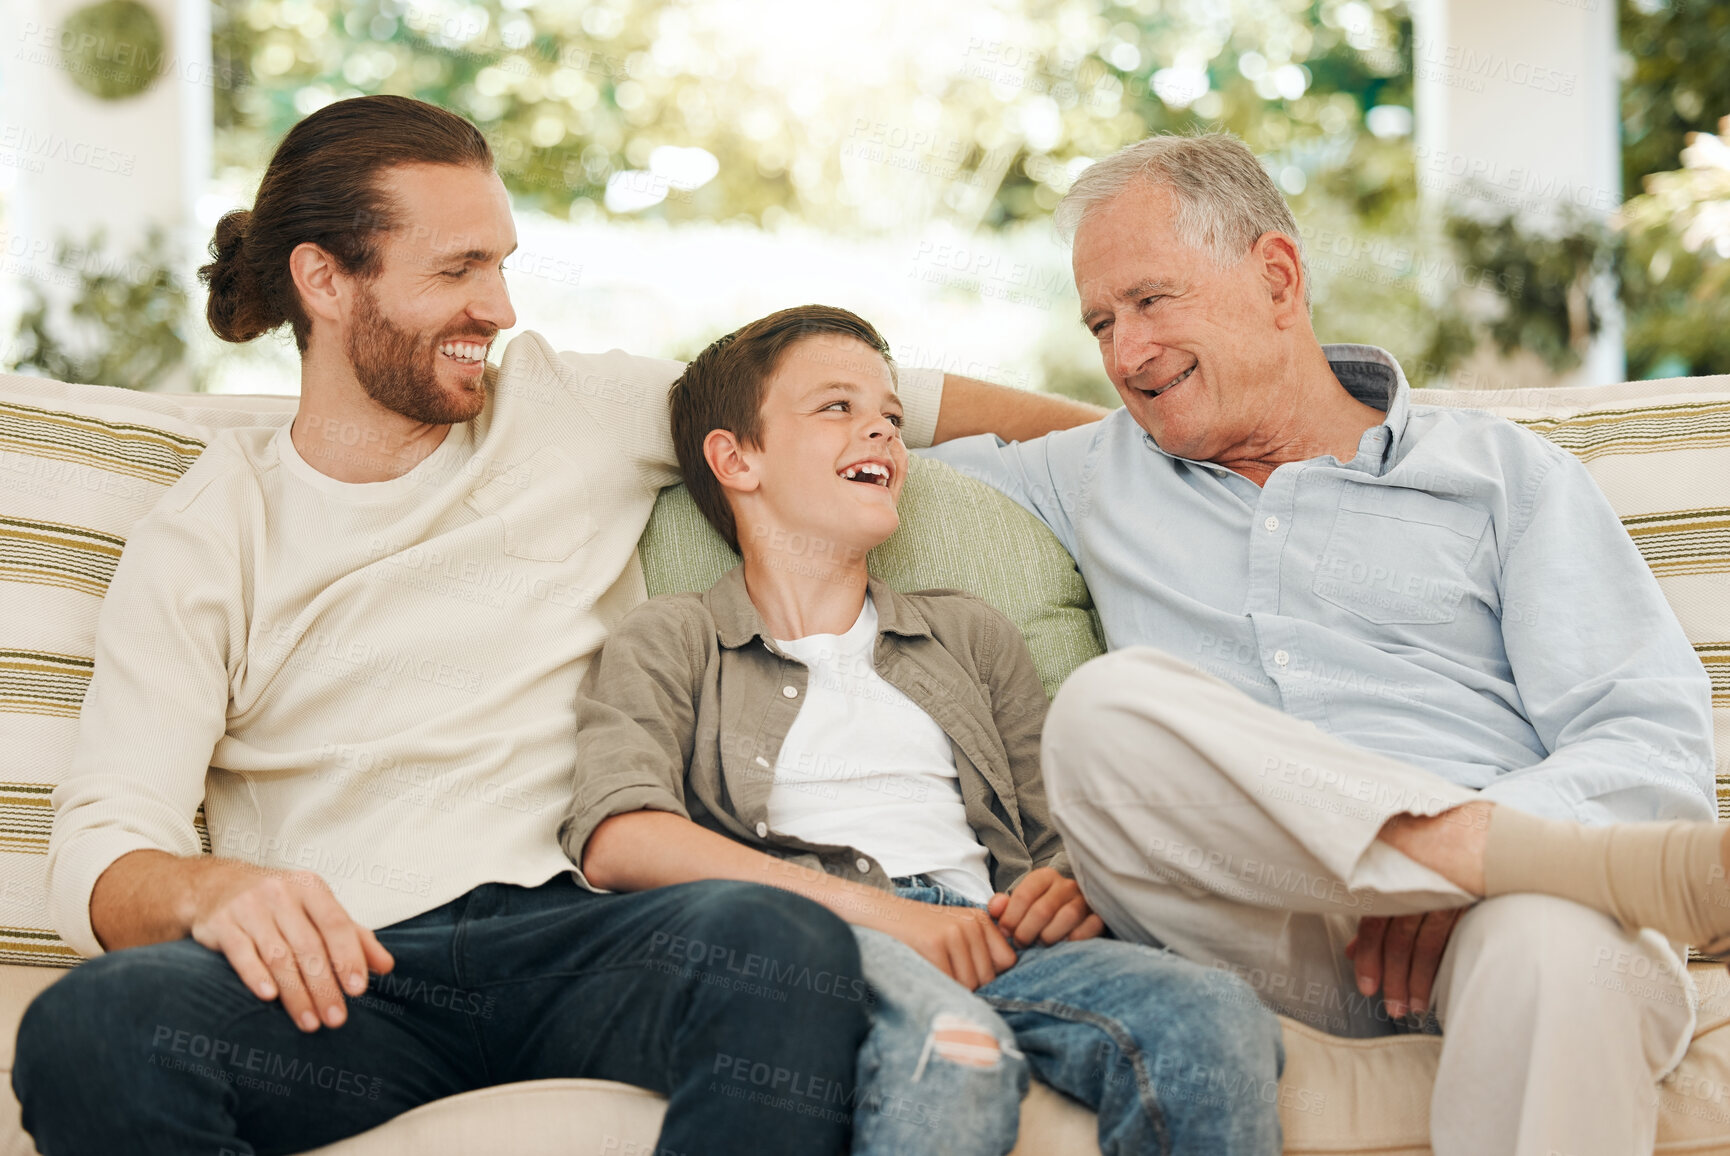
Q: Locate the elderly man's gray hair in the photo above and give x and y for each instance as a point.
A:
(1225, 199)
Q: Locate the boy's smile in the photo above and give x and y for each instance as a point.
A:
(871, 470)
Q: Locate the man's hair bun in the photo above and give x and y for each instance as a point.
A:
(236, 310)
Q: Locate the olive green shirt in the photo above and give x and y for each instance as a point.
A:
(687, 705)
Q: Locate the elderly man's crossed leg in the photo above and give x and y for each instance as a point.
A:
(1237, 835)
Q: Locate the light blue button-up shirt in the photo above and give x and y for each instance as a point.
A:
(1459, 595)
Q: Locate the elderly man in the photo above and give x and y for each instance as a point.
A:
(1372, 662)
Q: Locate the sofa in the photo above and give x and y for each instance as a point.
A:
(80, 464)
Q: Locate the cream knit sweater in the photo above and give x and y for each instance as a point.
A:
(375, 682)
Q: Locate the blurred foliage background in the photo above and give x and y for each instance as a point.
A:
(571, 94)
(693, 112)
(574, 97)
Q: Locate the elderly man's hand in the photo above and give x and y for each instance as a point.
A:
(1399, 957)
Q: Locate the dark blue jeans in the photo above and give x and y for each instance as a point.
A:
(693, 991)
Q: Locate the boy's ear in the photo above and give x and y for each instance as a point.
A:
(726, 457)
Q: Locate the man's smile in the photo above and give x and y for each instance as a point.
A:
(1178, 380)
(468, 355)
(464, 351)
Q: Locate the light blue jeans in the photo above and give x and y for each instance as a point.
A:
(1175, 1058)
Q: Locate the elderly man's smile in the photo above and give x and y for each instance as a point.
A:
(1160, 390)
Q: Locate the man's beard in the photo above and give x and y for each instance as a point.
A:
(399, 369)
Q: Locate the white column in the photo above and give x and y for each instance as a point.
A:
(80, 162)
(1517, 108)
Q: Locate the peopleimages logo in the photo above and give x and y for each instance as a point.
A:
(748, 967)
(51, 146)
(99, 55)
(233, 1062)
(409, 989)
(336, 867)
(471, 579)
(786, 1089)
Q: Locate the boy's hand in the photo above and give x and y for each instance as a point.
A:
(1047, 907)
(961, 942)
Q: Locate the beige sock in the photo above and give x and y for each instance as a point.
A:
(1666, 876)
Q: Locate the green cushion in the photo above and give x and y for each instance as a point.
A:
(955, 532)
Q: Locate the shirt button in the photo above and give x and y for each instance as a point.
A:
(761, 761)
(762, 830)
(863, 864)
(790, 691)
(1280, 658)
(1272, 523)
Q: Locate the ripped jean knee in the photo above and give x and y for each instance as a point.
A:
(939, 1070)
(959, 1040)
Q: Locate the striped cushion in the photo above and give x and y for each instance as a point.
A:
(80, 464)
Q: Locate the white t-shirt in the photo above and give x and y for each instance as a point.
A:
(864, 766)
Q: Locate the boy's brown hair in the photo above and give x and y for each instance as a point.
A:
(723, 389)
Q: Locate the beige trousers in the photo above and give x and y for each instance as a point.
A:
(1243, 838)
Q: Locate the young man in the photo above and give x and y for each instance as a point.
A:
(803, 725)
(358, 640)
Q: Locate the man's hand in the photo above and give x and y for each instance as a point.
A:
(285, 935)
(1399, 957)
(961, 942)
(1047, 907)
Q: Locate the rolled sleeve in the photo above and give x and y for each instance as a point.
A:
(580, 822)
(79, 863)
(636, 719)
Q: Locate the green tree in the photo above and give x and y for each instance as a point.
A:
(1667, 250)
(1676, 272)
(571, 94)
(990, 127)
(124, 323)
(1674, 79)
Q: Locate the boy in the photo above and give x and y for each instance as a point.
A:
(803, 725)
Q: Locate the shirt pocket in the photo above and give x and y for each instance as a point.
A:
(1399, 557)
(543, 505)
